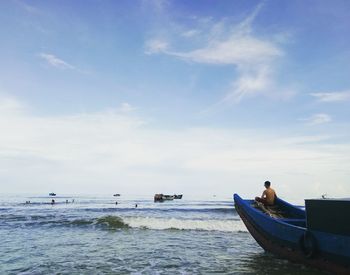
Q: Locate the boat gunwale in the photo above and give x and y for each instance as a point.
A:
(278, 220)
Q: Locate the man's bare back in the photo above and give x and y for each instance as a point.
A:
(268, 196)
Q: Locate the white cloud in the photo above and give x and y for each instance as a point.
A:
(235, 50)
(236, 46)
(107, 151)
(318, 119)
(190, 33)
(252, 56)
(156, 46)
(126, 107)
(10, 106)
(55, 61)
(332, 96)
(248, 84)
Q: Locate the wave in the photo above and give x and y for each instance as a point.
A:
(161, 210)
(112, 222)
(185, 224)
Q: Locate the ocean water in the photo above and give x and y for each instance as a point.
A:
(93, 235)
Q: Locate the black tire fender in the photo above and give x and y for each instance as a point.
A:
(308, 244)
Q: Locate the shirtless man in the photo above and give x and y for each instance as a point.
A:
(268, 196)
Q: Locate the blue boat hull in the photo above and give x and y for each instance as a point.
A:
(289, 238)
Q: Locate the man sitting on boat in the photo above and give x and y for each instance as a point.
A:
(268, 196)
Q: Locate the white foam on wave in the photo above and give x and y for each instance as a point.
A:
(184, 224)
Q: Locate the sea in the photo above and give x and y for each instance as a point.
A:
(94, 235)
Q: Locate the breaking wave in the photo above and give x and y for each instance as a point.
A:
(185, 224)
(112, 222)
(117, 222)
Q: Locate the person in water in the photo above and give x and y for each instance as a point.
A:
(269, 196)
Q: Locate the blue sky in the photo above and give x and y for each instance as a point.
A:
(166, 95)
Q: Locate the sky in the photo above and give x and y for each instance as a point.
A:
(196, 97)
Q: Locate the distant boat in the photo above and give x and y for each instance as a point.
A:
(52, 194)
(116, 195)
(318, 236)
(178, 197)
(161, 197)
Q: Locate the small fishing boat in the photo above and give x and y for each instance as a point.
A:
(161, 197)
(52, 194)
(116, 195)
(178, 197)
(318, 236)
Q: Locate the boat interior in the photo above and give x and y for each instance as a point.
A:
(282, 211)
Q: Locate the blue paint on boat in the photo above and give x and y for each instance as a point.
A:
(288, 236)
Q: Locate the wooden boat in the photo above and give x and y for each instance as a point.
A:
(318, 236)
(161, 197)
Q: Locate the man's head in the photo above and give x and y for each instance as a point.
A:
(267, 184)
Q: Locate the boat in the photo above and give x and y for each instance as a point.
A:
(317, 236)
(116, 195)
(178, 197)
(52, 194)
(161, 197)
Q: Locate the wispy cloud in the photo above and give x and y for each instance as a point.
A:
(317, 119)
(252, 56)
(332, 96)
(56, 62)
(190, 33)
(154, 46)
(59, 63)
(239, 50)
(237, 46)
(248, 84)
(29, 8)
